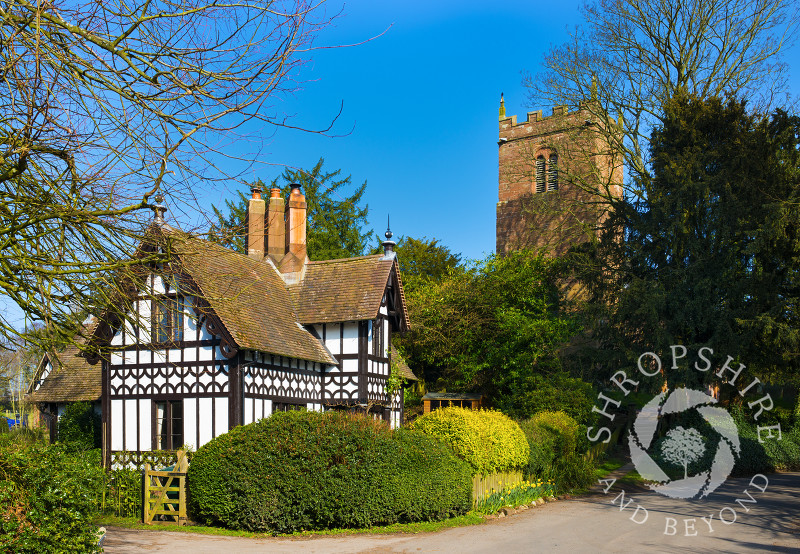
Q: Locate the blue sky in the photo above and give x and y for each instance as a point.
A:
(419, 120)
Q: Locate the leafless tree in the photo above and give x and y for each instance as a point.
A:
(632, 55)
(104, 104)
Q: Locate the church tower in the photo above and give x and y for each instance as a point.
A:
(556, 175)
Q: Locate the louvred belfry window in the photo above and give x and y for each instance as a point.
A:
(540, 176)
(552, 173)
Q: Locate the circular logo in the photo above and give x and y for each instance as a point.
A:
(683, 446)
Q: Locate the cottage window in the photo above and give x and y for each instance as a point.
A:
(168, 314)
(168, 428)
(378, 348)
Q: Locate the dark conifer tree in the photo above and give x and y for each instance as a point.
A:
(336, 217)
(709, 255)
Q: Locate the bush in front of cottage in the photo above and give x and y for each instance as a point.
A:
(488, 440)
(308, 470)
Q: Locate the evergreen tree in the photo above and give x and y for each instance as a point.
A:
(336, 226)
(710, 254)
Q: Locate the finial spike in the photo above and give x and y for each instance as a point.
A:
(159, 209)
(388, 233)
(502, 107)
(388, 244)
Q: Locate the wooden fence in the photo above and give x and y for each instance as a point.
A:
(164, 493)
(484, 485)
(138, 460)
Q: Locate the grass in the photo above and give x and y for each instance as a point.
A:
(609, 466)
(471, 518)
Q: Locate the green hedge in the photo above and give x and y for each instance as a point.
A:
(308, 470)
(488, 440)
(47, 497)
(770, 455)
(79, 427)
(556, 455)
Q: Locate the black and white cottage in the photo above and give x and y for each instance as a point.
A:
(217, 338)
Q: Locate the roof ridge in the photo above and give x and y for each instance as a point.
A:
(354, 258)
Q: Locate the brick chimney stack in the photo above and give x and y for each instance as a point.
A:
(256, 210)
(276, 241)
(295, 259)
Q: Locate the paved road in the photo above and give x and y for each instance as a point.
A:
(768, 522)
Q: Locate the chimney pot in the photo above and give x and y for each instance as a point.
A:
(276, 243)
(256, 212)
(294, 261)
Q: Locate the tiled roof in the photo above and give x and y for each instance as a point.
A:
(402, 366)
(255, 306)
(250, 299)
(71, 379)
(349, 289)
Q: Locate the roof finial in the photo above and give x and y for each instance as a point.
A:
(502, 107)
(388, 244)
(159, 209)
(593, 92)
(388, 233)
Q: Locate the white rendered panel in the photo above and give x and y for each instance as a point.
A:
(349, 365)
(267, 408)
(332, 339)
(205, 421)
(206, 353)
(190, 422)
(145, 424)
(221, 422)
(248, 411)
(350, 340)
(189, 354)
(116, 424)
(131, 436)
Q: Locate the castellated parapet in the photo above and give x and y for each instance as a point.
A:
(554, 172)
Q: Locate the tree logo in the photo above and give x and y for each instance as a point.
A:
(683, 447)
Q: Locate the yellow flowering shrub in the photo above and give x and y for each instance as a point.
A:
(488, 440)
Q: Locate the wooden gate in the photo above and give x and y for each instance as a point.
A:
(164, 493)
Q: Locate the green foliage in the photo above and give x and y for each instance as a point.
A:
(336, 225)
(797, 413)
(425, 260)
(79, 427)
(710, 255)
(47, 497)
(122, 493)
(488, 440)
(766, 456)
(558, 392)
(556, 450)
(309, 470)
(495, 328)
(3, 424)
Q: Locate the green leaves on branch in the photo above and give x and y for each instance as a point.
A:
(495, 327)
